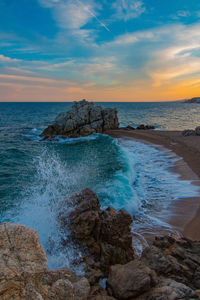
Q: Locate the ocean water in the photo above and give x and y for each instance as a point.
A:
(36, 176)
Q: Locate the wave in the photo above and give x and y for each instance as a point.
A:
(123, 173)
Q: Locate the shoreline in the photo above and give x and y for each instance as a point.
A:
(186, 211)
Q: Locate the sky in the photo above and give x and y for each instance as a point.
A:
(116, 50)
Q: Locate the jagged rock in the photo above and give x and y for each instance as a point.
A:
(105, 233)
(188, 132)
(168, 289)
(82, 120)
(192, 100)
(178, 260)
(197, 130)
(23, 269)
(129, 280)
(98, 293)
(145, 127)
(22, 260)
(129, 127)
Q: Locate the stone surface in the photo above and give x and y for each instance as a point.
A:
(169, 290)
(169, 269)
(129, 127)
(106, 234)
(145, 127)
(23, 269)
(192, 100)
(197, 130)
(82, 120)
(129, 280)
(188, 132)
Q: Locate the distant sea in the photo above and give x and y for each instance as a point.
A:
(35, 176)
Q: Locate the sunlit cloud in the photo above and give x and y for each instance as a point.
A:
(128, 9)
(6, 59)
(102, 51)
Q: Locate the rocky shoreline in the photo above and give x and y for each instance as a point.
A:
(168, 269)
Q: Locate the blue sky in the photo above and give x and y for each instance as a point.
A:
(123, 50)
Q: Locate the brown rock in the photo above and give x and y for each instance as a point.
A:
(197, 130)
(105, 233)
(188, 132)
(23, 269)
(130, 280)
(22, 259)
(169, 290)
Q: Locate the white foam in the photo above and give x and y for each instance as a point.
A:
(53, 182)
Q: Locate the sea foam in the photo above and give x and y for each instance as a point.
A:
(123, 173)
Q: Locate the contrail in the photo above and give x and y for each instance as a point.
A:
(93, 15)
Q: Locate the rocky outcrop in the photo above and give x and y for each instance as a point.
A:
(168, 270)
(140, 127)
(105, 234)
(130, 280)
(188, 132)
(23, 269)
(83, 119)
(193, 100)
(145, 127)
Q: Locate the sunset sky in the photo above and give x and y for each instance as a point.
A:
(116, 50)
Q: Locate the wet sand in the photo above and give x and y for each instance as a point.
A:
(186, 212)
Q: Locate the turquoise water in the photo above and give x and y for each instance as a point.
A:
(36, 176)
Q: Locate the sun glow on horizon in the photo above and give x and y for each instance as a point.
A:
(131, 50)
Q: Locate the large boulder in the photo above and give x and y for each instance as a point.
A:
(169, 289)
(23, 269)
(188, 132)
(129, 280)
(83, 119)
(106, 234)
(197, 130)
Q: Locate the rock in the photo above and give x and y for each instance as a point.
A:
(145, 127)
(129, 127)
(98, 293)
(169, 290)
(129, 280)
(82, 120)
(192, 100)
(188, 132)
(175, 259)
(105, 233)
(23, 269)
(22, 259)
(197, 130)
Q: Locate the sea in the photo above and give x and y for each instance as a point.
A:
(36, 176)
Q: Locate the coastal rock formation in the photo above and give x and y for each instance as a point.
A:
(140, 127)
(129, 280)
(145, 127)
(168, 270)
(193, 100)
(188, 132)
(23, 269)
(83, 119)
(106, 234)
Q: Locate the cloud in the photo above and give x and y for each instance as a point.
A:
(74, 14)
(181, 14)
(72, 17)
(128, 9)
(131, 38)
(8, 59)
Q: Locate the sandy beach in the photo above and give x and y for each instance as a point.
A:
(186, 212)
